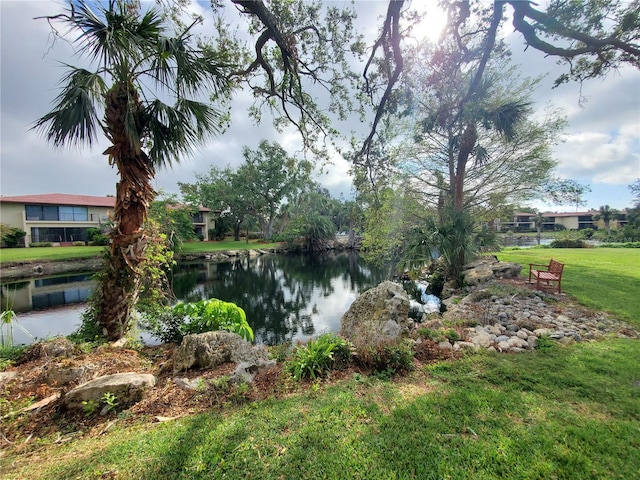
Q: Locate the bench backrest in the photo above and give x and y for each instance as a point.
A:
(555, 267)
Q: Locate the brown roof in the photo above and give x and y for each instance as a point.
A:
(568, 214)
(67, 199)
(61, 199)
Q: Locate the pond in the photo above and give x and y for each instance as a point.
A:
(286, 297)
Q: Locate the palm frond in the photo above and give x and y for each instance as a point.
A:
(74, 118)
(506, 117)
(482, 155)
(115, 36)
(175, 63)
(174, 131)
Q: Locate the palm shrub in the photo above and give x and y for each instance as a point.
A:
(314, 229)
(173, 323)
(318, 357)
(453, 237)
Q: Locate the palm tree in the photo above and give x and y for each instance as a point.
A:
(134, 63)
(606, 215)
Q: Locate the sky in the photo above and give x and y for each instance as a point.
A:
(601, 145)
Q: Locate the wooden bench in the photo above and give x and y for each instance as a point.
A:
(553, 273)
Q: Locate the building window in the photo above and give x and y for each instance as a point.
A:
(73, 214)
(54, 213)
(54, 235)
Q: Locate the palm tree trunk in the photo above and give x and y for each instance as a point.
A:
(120, 285)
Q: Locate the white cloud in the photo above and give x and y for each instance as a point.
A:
(601, 157)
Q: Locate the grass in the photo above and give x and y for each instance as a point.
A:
(570, 412)
(47, 253)
(71, 253)
(601, 278)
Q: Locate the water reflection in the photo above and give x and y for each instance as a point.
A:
(286, 297)
(46, 293)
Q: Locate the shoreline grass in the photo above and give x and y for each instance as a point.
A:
(32, 254)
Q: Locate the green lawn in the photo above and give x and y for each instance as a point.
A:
(601, 278)
(70, 253)
(569, 412)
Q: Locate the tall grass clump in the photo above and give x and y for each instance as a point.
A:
(318, 357)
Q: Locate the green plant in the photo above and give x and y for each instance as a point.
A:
(318, 356)
(173, 323)
(40, 244)
(90, 407)
(451, 335)
(568, 243)
(110, 401)
(544, 343)
(396, 357)
(11, 236)
(8, 319)
(430, 334)
(239, 394)
(280, 352)
(9, 355)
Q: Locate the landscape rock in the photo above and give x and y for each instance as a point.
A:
(210, 349)
(6, 376)
(245, 372)
(62, 374)
(524, 317)
(381, 313)
(128, 388)
(487, 268)
(55, 347)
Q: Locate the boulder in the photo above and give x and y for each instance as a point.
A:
(210, 349)
(6, 376)
(55, 347)
(245, 372)
(381, 313)
(128, 388)
(59, 374)
(506, 269)
(484, 269)
(478, 275)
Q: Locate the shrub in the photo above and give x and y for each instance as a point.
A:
(544, 343)
(568, 243)
(78, 244)
(451, 335)
(429, 334)
(318, 357)
(11, 236)
(390, 357)
(100, 240)
(173, 323)
(40, 244)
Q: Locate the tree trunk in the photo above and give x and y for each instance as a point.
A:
(120, 286)
(468, 141)
(351, 243)
(236, 231)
